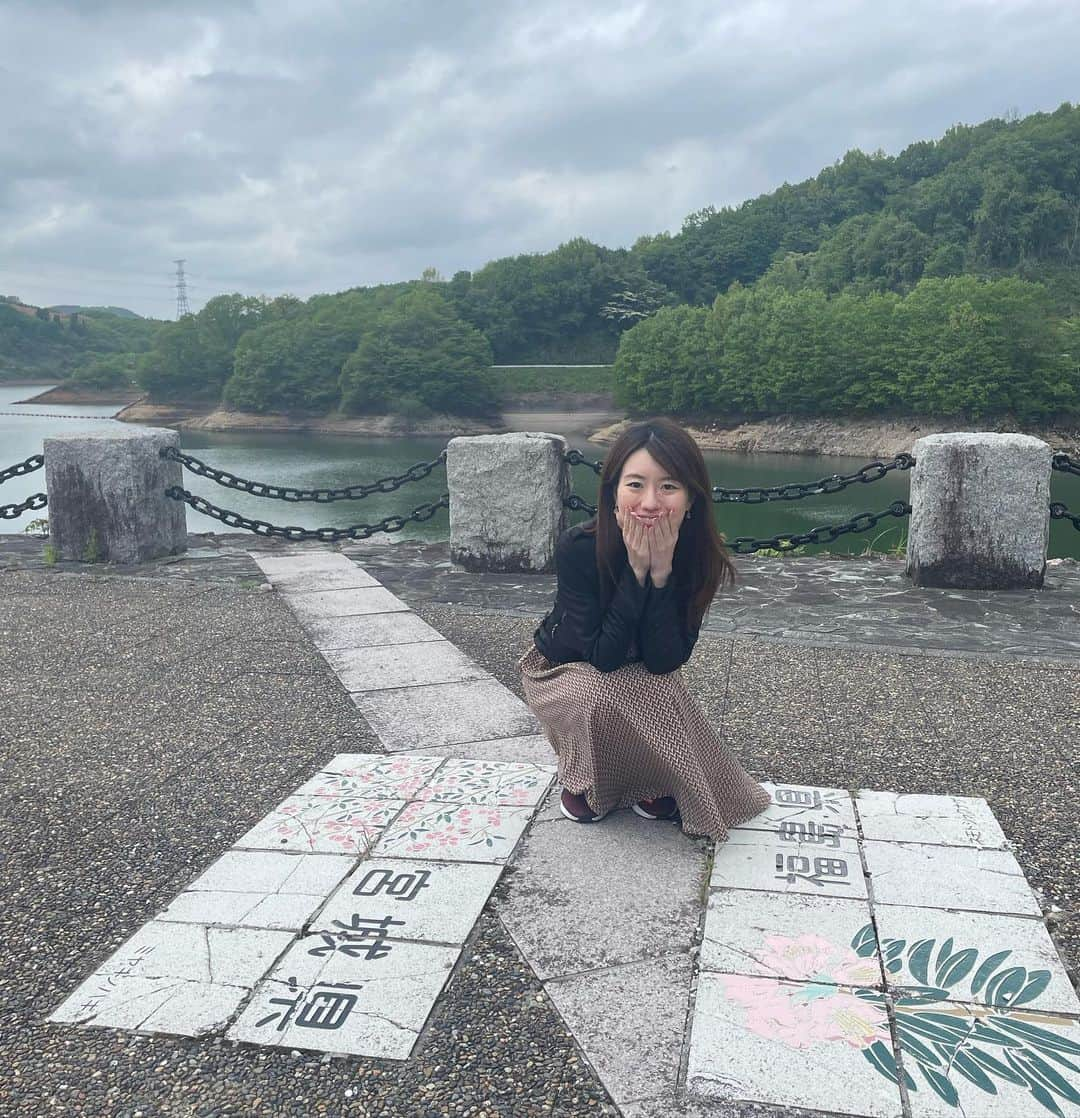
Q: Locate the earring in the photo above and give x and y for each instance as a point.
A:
(687, 516)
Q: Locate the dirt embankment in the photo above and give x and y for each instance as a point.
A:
(62, 395)
(858, 437)
(219, 419)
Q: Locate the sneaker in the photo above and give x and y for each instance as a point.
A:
(663, 807)
(577, 808)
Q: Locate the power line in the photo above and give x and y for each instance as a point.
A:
(182, 307)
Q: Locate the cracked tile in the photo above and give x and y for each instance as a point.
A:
(783, 863)
(345, 824)
(432, 900)
(493, 783)
(454, 832)
(372, 776)
(948, 877)
(358, 995)
(942, 820)
(797, 806)
(791, 1044)
(799, 938)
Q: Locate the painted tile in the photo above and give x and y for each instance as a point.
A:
(196, 953)
(1011, 1063)
(152, 1005)
(975, 957)
(792, 1044)
(948, 877)
(348, 824)
(264, 871)
(444, 714)
(361, 994)
(432, 900)
(801, 808)
(811, 939)
(488, 782)
(372, 776)
(942, 820)
(402, 665)
(345, 603)
(785, 863)
(454, 832)
(247, 910)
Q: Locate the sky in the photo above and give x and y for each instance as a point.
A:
(285, 147)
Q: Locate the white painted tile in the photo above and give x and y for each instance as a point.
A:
(263, 871)
(488, 782)
(195, 953)
(948, 877)
(153, 1005)
(321, 824)
(366, 630)
(432, 900)
(798, 937)
(402, 665)
(430, 718)
(949, 820)
(454, 832)
(789, 1044)
(249, 910)
(345, 603)
(996, 1096)
(949, 949)
(796, 807)
(779, 863)
(372, 776)
(373, 1002)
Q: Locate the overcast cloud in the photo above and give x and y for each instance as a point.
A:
(280, 146)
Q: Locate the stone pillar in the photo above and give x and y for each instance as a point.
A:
(107, 495)
(506, 500)
(980, 515)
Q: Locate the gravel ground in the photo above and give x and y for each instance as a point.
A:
(146, 721)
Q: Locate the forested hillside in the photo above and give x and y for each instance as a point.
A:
(944, 279)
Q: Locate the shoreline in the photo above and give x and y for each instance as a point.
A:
(590, 417)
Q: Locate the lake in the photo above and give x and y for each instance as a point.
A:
(323, 461)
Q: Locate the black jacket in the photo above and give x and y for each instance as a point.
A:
(640, 623)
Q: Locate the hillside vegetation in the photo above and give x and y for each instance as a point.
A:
(944, 279)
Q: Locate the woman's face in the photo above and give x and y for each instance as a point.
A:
(645, 491)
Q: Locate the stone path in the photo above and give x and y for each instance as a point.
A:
(610, 917)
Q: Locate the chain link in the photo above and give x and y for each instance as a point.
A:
(288, 493)
(326, 535)
(827, 533)
(576, 458)
(27, 466)
(10, 512)
(1059, 512)
(1063, 462)
(797, 490)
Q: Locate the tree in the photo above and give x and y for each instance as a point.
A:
(418, 350)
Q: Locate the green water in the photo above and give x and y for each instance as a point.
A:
(322, 461)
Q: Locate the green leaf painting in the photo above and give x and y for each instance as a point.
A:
(982, 1041)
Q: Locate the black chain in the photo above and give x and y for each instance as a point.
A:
(796, 490)
(576, 458)
(1059, 512)
(575, 502)
(288, 493)
(327, 535)
(827, 533)
(28, 466)
(10, 512)
(1064, 463)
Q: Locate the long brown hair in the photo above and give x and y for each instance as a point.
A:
(701, 564)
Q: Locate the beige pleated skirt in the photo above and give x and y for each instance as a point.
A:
(630, 735)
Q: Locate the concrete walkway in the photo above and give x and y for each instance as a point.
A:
(613, 959)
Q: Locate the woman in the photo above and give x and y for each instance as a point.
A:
(633, 585)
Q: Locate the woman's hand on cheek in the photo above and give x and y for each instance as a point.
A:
(664, 536)
(636, 539)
